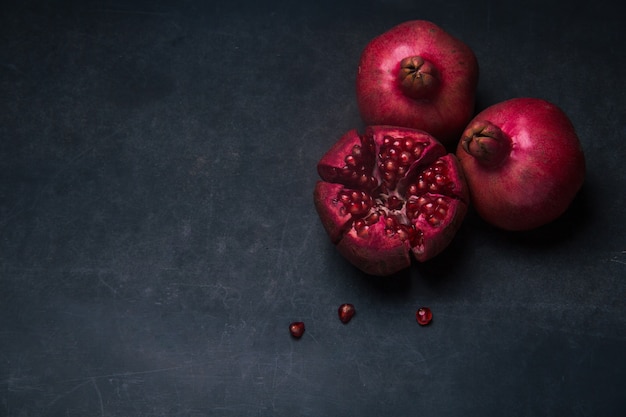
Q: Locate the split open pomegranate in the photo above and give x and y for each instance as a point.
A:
(388, 193)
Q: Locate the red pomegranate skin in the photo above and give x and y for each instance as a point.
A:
(523, 162)
(389, 193)
(435, 94)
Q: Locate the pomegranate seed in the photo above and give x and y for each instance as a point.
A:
(390, 165)
(372, 218)
(433, 221)
(423, 316)
(346, 312)
(361, 228)
(405, 157)
(296, 329)
(394, 203)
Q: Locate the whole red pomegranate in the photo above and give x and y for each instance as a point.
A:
(417, 75)
(387, 193)
(523, 162)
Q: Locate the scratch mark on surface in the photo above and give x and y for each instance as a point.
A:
(136, 11)
(95, 385)
(360, 374)
(618, 261)
(76, 387)
(274, 374)
(314, 339)
(281, 244)
(307, 233)
(87, 379)
(106, 284)
(16, 212)
(226, 294)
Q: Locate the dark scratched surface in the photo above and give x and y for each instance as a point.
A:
(157, 230)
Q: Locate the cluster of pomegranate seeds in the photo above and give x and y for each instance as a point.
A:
(423, 316)
(356, 203)
(296, 329)
(433, 208)
(346, 312)
(361, 225)
(434, 179)
(356, 170)
(423, 196)
(395, 158)
(399, 227)
(388, 196)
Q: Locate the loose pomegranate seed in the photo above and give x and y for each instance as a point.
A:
(424, 316)
(346, 312)
(296, 329)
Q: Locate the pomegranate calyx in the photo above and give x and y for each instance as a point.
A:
(486, 142)
(418, 78)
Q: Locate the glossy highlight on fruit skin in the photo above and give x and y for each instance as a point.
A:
(419, 76)
(389, 193)
(523, 162)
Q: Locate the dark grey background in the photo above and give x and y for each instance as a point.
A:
(157, 230)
